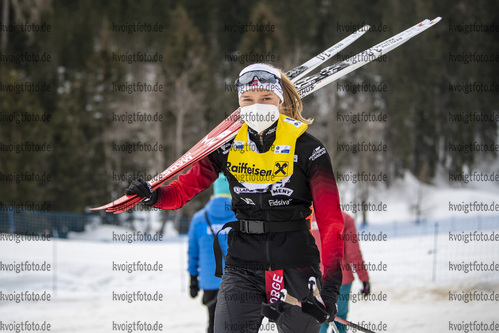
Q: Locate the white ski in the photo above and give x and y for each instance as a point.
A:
(329, 74)
(298, 72)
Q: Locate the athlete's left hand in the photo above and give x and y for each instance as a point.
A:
(332, 310)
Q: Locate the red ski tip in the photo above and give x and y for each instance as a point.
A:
(116, 203)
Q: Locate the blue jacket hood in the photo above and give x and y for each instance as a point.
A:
(215, 210)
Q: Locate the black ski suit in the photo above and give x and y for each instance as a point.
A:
(249, 255)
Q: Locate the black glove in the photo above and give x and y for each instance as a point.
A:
(194, 287)
(332, 310)
(144, 190)
(273, 311)
(330, 292)
(329, 297)
(366, 290)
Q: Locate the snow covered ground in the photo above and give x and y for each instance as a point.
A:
(82, 281)
(415, 288)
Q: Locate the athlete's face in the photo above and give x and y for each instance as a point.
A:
(260, 96)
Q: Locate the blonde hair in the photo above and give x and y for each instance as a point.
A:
(292, 105)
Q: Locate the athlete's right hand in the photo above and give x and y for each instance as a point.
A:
(139, 187)
(142, 189)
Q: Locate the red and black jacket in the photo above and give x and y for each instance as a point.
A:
(312, 181)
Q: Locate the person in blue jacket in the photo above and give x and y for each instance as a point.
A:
(204, 226)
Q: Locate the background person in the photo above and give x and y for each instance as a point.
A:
(204, 226)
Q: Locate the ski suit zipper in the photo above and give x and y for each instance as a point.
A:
(268, 254)
(267, 242)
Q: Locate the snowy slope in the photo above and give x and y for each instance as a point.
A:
(84, 282)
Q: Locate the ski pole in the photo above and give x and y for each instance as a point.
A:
(287, 298)
(333, 327)
(349, 323)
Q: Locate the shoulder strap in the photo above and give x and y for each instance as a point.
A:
(209, 224)
(218, 251)
(215, 240)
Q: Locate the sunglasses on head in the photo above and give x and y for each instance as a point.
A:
(262, 76)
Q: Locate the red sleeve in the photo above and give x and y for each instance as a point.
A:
(353, 255)
(176, 194)
(328, 214)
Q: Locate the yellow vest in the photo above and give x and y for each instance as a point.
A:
(249, 167)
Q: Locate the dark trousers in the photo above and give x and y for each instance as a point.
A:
(243, 291)
(210, 300)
